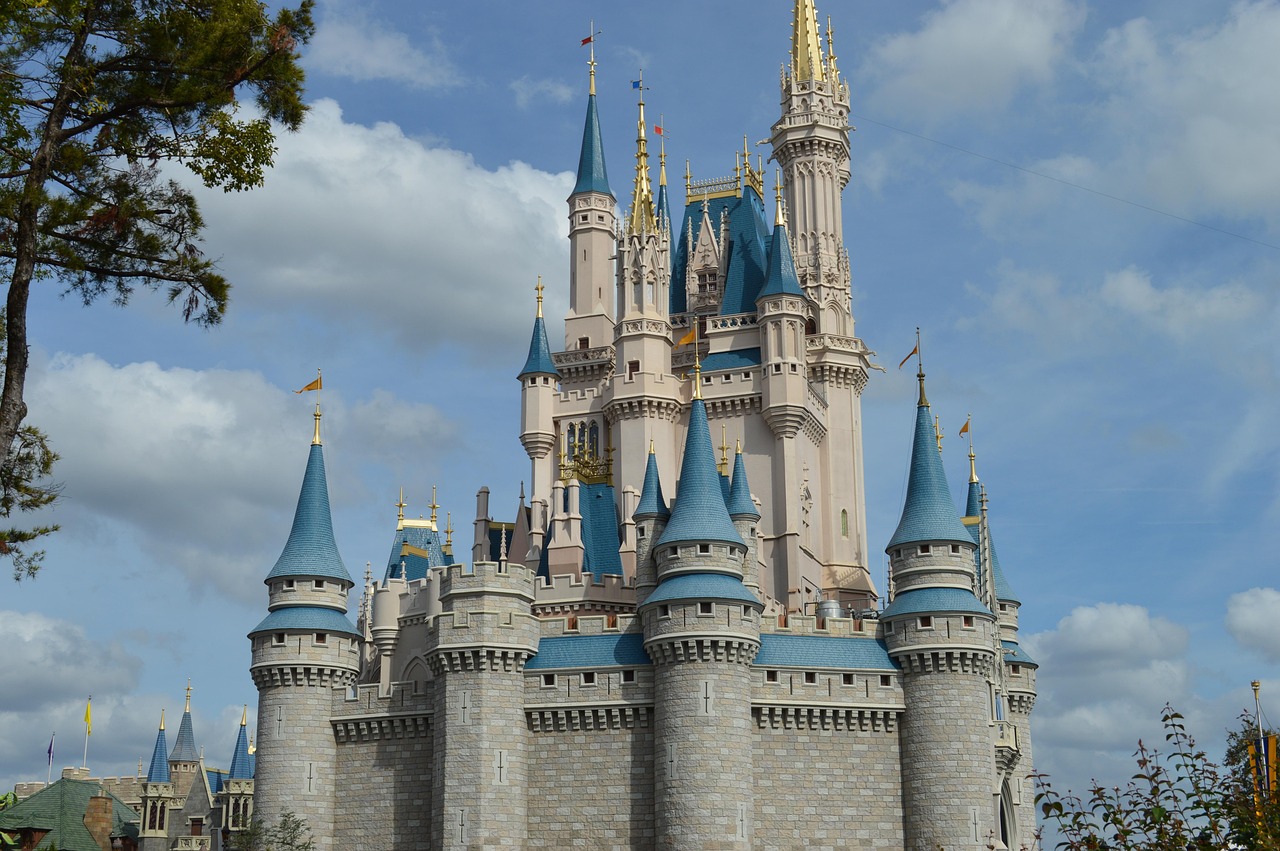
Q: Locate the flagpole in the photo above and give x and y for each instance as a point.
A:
(88, 728)
(48, 775)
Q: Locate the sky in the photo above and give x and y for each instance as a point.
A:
(1078, 203)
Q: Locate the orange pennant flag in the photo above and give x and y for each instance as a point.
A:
(688, 338)
(318, 384)
(964, 429)
(914, 351)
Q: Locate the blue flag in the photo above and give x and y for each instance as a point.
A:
(51, 749)
(635, 84)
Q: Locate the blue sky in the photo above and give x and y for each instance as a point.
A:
(1119, 361)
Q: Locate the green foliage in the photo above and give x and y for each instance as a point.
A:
(95, 96)
(1256, 823)
(290, 833)
(1176, 801)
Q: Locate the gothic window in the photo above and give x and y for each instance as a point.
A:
(571, 440)
(844, 522)
(593, 441)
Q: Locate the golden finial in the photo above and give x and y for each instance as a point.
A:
(591, 63)
(188, 708)
(831, 48)
(937, 432)
(433, 506)
(651, 446)
(244, 716)
(662, 149)
(315, 438)
(448, 531)
(724, 449)
(924, 401)
(161, 719)
(973, 467)
(779, 215)
(252, 748)
(697, 365)
(738, 450)
(401, 505)
(538, 289)
(688, 178)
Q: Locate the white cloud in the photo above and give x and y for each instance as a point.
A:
(971, 55)
(1180, 311)
(1253, 619)
(209, 473)
(350, 43)
(528, 90)
(47, 662)
(363, 224)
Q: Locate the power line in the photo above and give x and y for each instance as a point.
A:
(1041, 174)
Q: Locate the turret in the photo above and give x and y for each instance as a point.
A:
(651, 516)
(592, 226)
(184, 759)
(644, 397)
(702, 630)
(943, 638)
(157, 798)
(538, 387)
(746, 518)
(303, 650)
(237, 789)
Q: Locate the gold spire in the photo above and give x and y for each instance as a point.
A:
(779, 214)
(433, 506)
(315, 438)
(831, 49)
(400, 506)
(662, 150)
(651, 446)
(161, 719)
(539, 288)
(724, 449)
(806, 46)
(244, 716)
(688, 177)
(252, 748)
(591, 63)
(973, 467)
(642, 216)
(937, 432)
(697, 370)
(924, 400)
(448, 531)
(188, 708)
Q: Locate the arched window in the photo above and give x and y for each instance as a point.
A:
(571, 441)
(844, 522)
(593, 441)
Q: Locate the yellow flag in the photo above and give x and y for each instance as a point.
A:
(688, 338)
(318, 384)
(964, 429)
(88, 717)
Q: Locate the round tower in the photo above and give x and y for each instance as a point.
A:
(539, 381)
(304, 649)
(942, 637)
(702, 631)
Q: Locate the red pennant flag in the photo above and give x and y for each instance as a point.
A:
(588, 40)
(657, 130)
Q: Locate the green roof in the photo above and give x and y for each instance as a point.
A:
(60, 810)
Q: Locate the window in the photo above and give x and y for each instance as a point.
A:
(319, 583)
(1004, 607)
(955, 549)
(704, 549)
(278, 638)
(746, 376)
(633, 366)
(628, 676)
(846, 679)
(810, 678)
(770, 676)
(968, 621)
(705, 608)
(639, 531)
(584, 342)
(885, 681)
(844, 522)
(322, 638)
(288, 584)
(1016, 670)
(777, 369)
(897, 553)
(926, 621)
(583, 218)
(588, 678)
(664, 611)
(925, 549)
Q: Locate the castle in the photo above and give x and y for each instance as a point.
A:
(614, 669)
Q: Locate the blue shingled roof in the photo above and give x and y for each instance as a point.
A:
(933, 600)
(600, 542)
(184, 749)
(240, 768)
(748, 251)
(415, 566)
(735, 359)
(309, 618)
(929, 514)
(589, 651)
(159, 770)
(311, 549)
(699, 513)
(740, 504)
(592, 176)
(780, 277)
(822, 651)
(652, 503)
(215, 778)
(539, 361)
(1004, 591)
(663, 209)
(973, 505)
(1013, 652)
(701, 586)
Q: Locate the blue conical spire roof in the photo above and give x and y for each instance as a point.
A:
(184, 749)
(740, 504)
(663, 209)
(973, 508)
(539, 361)
(592, 176)
(241, 767)
(929, 514)
(652, 503)
(780, 278)
(699, 513)
(158, 772)
(311, 549)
